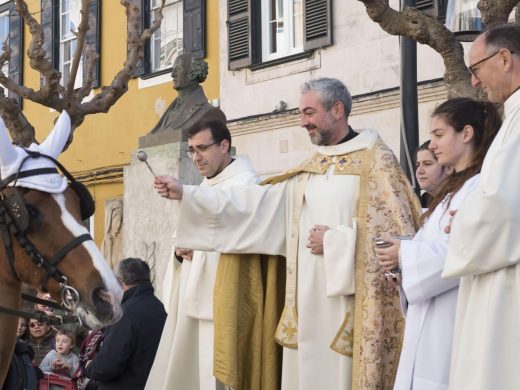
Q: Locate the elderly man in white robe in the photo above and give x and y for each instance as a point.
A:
(341, 326)
(185, 356)
(484, 247)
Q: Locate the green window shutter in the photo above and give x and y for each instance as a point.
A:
(194, 33)
(15, 44)
(239, 33)
(434, 8)
(93, 39)
(50, 42)
(423, 5)
(317, 23)
(142, 5)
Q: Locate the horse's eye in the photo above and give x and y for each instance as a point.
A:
(33, 211)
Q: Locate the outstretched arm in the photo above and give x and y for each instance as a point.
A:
(168, 187)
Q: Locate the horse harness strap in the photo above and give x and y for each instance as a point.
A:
(14, 220)
(53, 320)
(54, 260)
(28, 173)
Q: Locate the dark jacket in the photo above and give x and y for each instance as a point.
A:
(129, 347)
(22, 375)
(42, 347)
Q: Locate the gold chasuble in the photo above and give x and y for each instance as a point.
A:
(248, 301)
(372, 330)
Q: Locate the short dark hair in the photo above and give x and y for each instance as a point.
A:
(43, 318)
(131, 271)
(505, 35)
(423, 147)
(219, 130)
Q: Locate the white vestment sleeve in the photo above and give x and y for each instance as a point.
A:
(339, 251)
(240, 219)
(422, 266)
(485, 234)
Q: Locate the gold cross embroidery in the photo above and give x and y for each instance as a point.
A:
(289, 330)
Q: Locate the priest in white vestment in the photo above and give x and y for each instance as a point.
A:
(184, 359)
(484, 247)
(341, 326)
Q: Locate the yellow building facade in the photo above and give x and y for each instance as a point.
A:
(104, 143)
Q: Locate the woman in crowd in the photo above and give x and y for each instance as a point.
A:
(461, 131)
(429, 173)
(22, 332)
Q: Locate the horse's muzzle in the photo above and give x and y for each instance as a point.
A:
(107, 306)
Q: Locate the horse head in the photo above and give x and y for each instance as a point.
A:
(45, 243)
(54, 221)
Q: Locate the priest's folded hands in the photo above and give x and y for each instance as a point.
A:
(315, 239)
(168, 187)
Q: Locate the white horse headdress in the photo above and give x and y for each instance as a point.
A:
(11, 157)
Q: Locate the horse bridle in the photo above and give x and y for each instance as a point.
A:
(14, 220)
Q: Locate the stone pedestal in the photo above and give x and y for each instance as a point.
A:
(150, 220)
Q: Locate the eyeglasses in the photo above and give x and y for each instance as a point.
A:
(473, 68)
(35, 324)
(199, 149)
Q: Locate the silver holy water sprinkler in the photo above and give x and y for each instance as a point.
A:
(142, 156)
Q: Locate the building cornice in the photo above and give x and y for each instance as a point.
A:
(111, 174)
(363, 104)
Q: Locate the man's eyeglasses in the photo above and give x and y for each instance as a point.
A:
(473, 68)
(35, 324)
(199, 149)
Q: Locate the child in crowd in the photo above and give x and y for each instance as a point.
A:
(62, 360)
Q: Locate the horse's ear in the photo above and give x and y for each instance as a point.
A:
(58, 137)
(8, 153)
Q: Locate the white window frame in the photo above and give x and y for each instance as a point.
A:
(5, 68)
(288, 36)
(68, 37)
(175, 35)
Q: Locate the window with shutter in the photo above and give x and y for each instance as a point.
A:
(434, 8)
(182, 29)
(11, 30)
(239, 33)
(282, 28)
(318, 23)
(166, 43)
(285, 28)
(194, 29)
(60, 20)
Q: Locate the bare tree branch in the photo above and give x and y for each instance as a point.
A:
(136, 41)
(424, 29)
(22, 132)
(91, 59)
(496, 11)
(48, 95)
(54, 95)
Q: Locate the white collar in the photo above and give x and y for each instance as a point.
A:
(240, 165)
(512, 103)
(364, 140)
